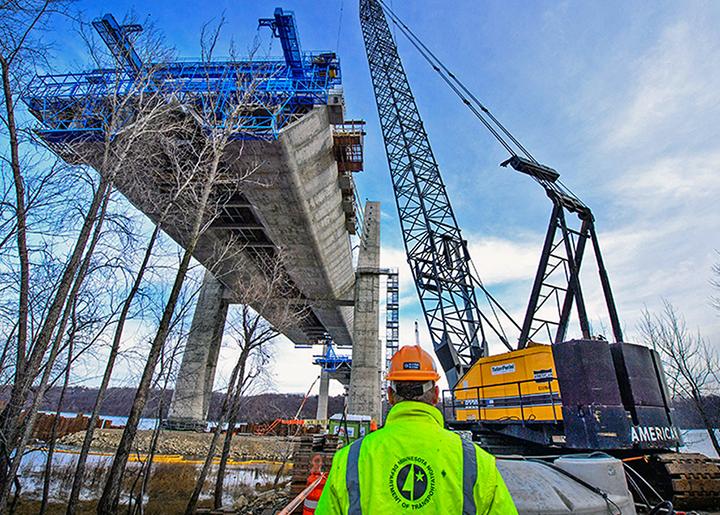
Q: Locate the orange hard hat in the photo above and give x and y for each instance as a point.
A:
(412, 363)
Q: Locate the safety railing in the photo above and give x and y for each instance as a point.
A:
(486, 406)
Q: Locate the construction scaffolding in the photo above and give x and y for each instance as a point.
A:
(273, 92)
(348, 145)
(392, 320)
(348, 150)
(392, 314)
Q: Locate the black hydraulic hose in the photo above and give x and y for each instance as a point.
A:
(637, 475)
(636, 488)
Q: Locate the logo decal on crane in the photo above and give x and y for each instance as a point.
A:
(507, 368)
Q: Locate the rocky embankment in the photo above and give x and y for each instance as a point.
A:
(189, 444)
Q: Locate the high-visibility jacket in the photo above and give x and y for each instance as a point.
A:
(310, 503)
(414, 465)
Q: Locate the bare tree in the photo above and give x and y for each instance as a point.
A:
(34, 357)
(168, 361)
(11, 424)
(715, 282)
(267, 293)
(53, 432)
(19, 49)
(252, 335)
(690, 363)
(198, 153)
(26, 428)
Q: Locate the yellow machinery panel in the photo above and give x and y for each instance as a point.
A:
(519, 385)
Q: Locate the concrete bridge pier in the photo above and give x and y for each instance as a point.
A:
(194, 385)
(323, 396)
(365, 392)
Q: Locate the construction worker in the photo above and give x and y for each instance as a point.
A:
(310, 503)
(413, 464)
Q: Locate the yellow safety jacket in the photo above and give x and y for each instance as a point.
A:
(414, 465)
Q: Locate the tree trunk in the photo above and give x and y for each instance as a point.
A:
(111, 493)
(53, 432)
(70, 308)
(227, 445)
(706, 422)
(192, 503)
(11, 422)
(147, 470)
(21, 216)
(114, 349)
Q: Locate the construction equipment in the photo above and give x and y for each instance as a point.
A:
(116, 37)
(546, 395)
(330, 361)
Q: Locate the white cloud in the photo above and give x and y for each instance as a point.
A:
(676, 180)
(673, 80)
(653, 143)
(500, 260)
(651, 134)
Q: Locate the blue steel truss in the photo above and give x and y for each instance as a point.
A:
(284, 28)
(74, 106)
(116, 38)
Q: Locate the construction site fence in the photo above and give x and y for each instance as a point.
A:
(43, 429)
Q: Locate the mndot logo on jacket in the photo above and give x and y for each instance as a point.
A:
(412, 482)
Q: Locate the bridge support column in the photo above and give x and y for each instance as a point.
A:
(194, 384)
(323, 394)
(364, 394)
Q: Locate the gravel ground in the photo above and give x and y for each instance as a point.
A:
(189, 444)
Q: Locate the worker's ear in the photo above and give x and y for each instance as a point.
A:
(391, 396)
(436, 397)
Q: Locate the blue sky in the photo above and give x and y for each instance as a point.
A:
(620, 97)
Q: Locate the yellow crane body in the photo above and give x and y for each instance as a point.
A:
(519, 385)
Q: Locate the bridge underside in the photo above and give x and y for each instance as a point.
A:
(296, 195)
(290, 201)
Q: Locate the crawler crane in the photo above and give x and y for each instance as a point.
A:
(546, 394)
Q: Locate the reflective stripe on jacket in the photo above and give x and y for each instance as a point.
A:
(414, 465)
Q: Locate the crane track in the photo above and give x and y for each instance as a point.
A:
(690, 480)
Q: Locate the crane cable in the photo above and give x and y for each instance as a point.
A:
(462, 91)
(471, 101)
(478, 109)
(339, 32)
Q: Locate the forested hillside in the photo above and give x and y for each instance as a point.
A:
(257, 408)
(269, 406)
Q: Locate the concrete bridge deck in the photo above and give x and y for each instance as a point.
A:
(297, 196)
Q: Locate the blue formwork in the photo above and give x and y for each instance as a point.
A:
(73, 106)
(330, 361)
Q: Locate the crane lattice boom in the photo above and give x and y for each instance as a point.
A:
(436, 251)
